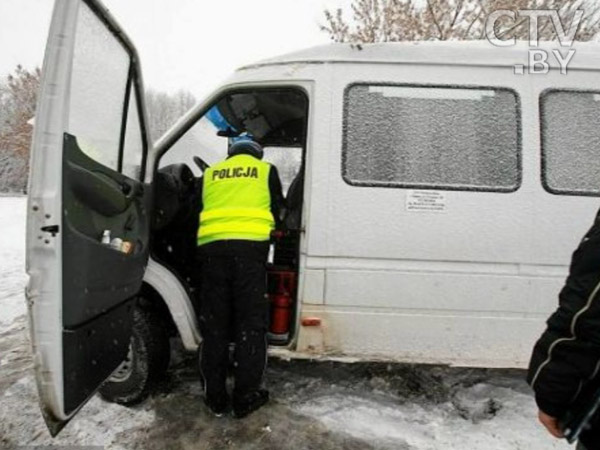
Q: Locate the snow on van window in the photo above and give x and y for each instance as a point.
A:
(571, 142)
(97, 93)
(432, 137)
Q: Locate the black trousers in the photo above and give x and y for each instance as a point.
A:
(233, 308)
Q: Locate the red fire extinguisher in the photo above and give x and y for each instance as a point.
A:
(281, 303)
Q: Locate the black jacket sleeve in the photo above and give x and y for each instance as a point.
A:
(567, 355)
(190, 219)
(198, 189)
(277, 199)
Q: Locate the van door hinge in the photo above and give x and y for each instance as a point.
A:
(52, 229)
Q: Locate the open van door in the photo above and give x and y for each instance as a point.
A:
(87, 182)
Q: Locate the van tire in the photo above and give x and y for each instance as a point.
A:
(147, 362)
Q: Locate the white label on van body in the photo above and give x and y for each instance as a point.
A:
(432, 94)
(425, 201)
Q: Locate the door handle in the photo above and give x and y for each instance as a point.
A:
(52, 229)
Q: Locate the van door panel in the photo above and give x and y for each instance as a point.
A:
(95, 349)
(87, 166)
(474, 227)
(423, 290)
(491, 262)
(86, 292)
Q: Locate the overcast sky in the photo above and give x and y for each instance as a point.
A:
(183, 44)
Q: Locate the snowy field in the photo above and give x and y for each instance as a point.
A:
(315, 405)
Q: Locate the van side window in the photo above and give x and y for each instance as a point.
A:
(570, 142)
(438, 137)
(103, 107)
(97, 94)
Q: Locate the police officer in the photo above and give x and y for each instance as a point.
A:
(565, 365)
(241, 201)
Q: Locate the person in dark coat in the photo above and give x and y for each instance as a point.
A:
(564, 370)
(240, 203)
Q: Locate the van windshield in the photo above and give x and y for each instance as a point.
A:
(276, 118)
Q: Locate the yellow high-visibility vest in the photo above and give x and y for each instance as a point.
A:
(236, 201)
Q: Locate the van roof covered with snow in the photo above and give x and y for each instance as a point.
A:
(469, 53)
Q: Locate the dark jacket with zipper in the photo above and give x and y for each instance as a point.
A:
(565, 364)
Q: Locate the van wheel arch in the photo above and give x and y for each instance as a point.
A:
(150, 299)
(149, 352)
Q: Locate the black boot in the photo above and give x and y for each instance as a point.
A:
(249, 403)
(218, 406)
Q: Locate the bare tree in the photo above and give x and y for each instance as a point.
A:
(408, 20)
(164, 110)
(18, 96)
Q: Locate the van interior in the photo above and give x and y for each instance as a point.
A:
(277, 119)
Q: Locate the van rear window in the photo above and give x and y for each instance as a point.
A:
(570, 142)
(432, 137)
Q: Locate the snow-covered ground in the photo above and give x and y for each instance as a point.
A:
(12, 262)
(316, 405)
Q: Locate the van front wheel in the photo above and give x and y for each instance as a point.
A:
(146, 363)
